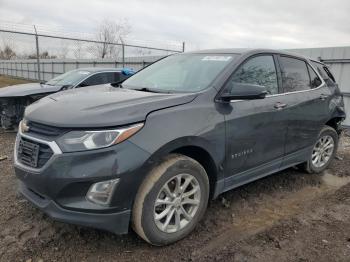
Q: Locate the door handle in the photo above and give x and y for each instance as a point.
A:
(280, 105)
(323, 97)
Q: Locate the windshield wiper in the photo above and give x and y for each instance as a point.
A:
(151, 90)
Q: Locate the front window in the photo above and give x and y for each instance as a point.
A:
(181, 73)
(69, 78)
(259, 70)
(97, 79)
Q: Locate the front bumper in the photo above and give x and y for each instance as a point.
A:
(117, 223)
(59, 188)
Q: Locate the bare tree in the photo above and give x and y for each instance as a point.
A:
(42, 55)
(7, 53)
(110, 32)
(8, 50)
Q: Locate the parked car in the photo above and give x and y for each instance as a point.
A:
(153, 151)
(14, 99)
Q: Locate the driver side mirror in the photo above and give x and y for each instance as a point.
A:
(238, 91)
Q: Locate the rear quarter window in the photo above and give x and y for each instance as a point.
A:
(325, 73)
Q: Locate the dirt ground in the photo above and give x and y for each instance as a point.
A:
(289, 216)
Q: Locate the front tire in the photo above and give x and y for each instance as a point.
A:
(323, 151)
(171, 200)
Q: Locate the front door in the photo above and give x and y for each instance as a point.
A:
(255, 129)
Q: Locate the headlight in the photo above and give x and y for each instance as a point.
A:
(87, 140)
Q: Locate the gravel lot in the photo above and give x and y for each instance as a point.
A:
(289, 216)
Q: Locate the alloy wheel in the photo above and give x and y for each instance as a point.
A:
(323, 151)
(177, 203)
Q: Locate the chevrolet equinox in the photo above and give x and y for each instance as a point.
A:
(152, 151)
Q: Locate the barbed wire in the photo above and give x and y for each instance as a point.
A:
(42, 52)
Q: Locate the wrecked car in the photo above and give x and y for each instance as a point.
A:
(150, 153)
(14, 99)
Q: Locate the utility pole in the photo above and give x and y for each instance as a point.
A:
(37, 52)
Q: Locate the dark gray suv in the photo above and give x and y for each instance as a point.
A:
(152, 151)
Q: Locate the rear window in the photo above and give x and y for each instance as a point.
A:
(295, 75)
(315, 80)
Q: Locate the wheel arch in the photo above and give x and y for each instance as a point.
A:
(202, 157)
(335, 122)
(198, 149)
(337, 115)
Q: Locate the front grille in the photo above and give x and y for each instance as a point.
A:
(45, 130)
(33, 154)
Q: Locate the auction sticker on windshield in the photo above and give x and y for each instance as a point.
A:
(217, 58)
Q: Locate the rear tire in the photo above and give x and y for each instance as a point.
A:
(323, 151)
(171, 200)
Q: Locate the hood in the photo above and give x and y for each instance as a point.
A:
(27, 89)
(100, 106)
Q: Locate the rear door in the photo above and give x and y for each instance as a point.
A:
(307, 99)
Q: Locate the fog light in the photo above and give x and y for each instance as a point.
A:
(102, 192)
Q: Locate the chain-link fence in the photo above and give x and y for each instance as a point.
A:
(35, 53)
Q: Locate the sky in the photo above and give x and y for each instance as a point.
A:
(200, 24)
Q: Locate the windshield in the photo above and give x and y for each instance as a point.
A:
(180, 73)
(69, 78)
